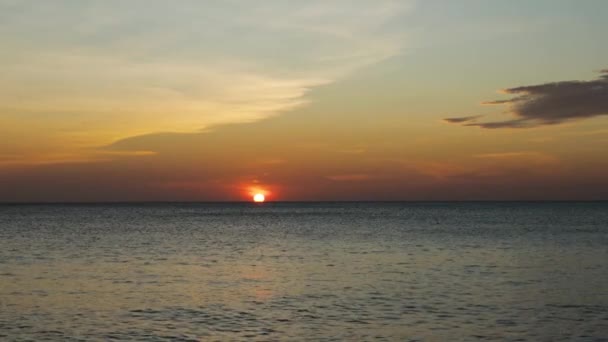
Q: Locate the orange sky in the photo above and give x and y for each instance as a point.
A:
(318, 105)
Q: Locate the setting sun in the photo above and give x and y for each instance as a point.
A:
(259, 198)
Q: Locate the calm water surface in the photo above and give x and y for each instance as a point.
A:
(319, 272)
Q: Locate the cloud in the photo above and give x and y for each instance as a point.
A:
(530, 157)
(350, 177)
(520, 123)
(549, 104)
(105, 72)
(462, 119)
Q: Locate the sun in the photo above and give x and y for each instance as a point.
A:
(259, 198)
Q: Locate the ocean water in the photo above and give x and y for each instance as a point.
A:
(305, 272)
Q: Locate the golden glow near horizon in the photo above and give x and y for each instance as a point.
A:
(344, 101)
(259, 198)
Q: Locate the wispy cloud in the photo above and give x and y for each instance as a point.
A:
(120, 71)
(462, 119)
(534, 157)
(549, 104)
(350, 177)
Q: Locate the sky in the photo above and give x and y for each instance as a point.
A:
(216, 100)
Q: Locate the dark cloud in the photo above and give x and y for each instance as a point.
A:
(549, 104)
(519, 123)
(461, 119)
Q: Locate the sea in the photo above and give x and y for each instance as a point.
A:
(355, 271)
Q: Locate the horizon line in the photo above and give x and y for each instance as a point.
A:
(300, 201)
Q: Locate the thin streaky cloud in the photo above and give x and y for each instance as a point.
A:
(181, 67)
(462, 119)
